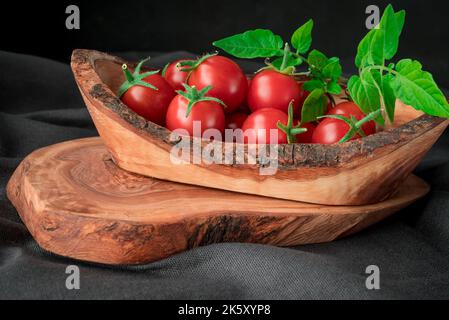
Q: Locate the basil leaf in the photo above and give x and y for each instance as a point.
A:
(313, 84)
(386, 36)
(317, 60)
(258, 43)
(302, 37)
(333, 87)
(392, 24)
(416, 88)
(364, 49)
(332, 69)
(365, 93)
(314, 106)
(388, 96)
(376, 50)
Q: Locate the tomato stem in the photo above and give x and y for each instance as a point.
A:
(291, 130)
(355, 126)
(369, 117)
(285, 57)
(136, 78)
(192, 95)
(128, 75)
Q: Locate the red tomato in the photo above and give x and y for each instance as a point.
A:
(227, 79)
(149, 103)
(306, 137)
(264, 119)
(244, 108)
(271, 89)
(209, 113)
(331, 131)
(302, 97)
(235, 120)
(352, 109)
(174, 76)
(346, 108)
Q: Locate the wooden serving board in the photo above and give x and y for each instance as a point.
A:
(77, 203)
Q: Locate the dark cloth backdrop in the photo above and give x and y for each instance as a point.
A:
(40, 105)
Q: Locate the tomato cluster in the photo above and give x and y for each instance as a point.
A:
(215, 92)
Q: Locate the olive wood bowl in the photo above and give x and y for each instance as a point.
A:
(360, 172)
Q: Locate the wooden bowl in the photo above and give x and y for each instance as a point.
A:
(360, 172)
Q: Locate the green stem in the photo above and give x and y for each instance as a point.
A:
(290, 130)
(299, 74)
(373, 115)
(381, 68)
(128, 75)
(297, 55)
(286, 53)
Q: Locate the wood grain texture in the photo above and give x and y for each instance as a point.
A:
(77, 203)
(360, 172)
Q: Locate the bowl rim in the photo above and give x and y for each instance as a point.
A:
(83, 63)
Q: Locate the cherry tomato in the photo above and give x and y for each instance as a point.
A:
(264, 119)
(244, 108)
(227, 79)
(235, 120)
(174, 76)
(149, 103)
(271, 89)
(306, 137)
(209, 113)
(352, 109)
(346, 108)
(302, 97)
(331, 131)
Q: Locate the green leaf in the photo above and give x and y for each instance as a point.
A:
(313, 84)
(332, 70)
(314, 106)
(258, 43)
(417, 88)
(392, 24)
(363, 49)
(302, 37)
(333, 87)
(317, 60)
(365, 94)
(388, 96)
(376, 50)
(381, 44)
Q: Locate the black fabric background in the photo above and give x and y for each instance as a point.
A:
(40, 105)
(38, 27)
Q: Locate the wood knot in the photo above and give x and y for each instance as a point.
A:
(49, 225)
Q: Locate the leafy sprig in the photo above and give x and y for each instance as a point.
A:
(380, 82)
(324, 72)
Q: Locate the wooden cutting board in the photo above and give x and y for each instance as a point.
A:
(77, 203)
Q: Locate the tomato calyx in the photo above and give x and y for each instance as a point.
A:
(289, 129)
(135, 78)
(164, 70)
(193, 96)
(355, 126)
(190, 65)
